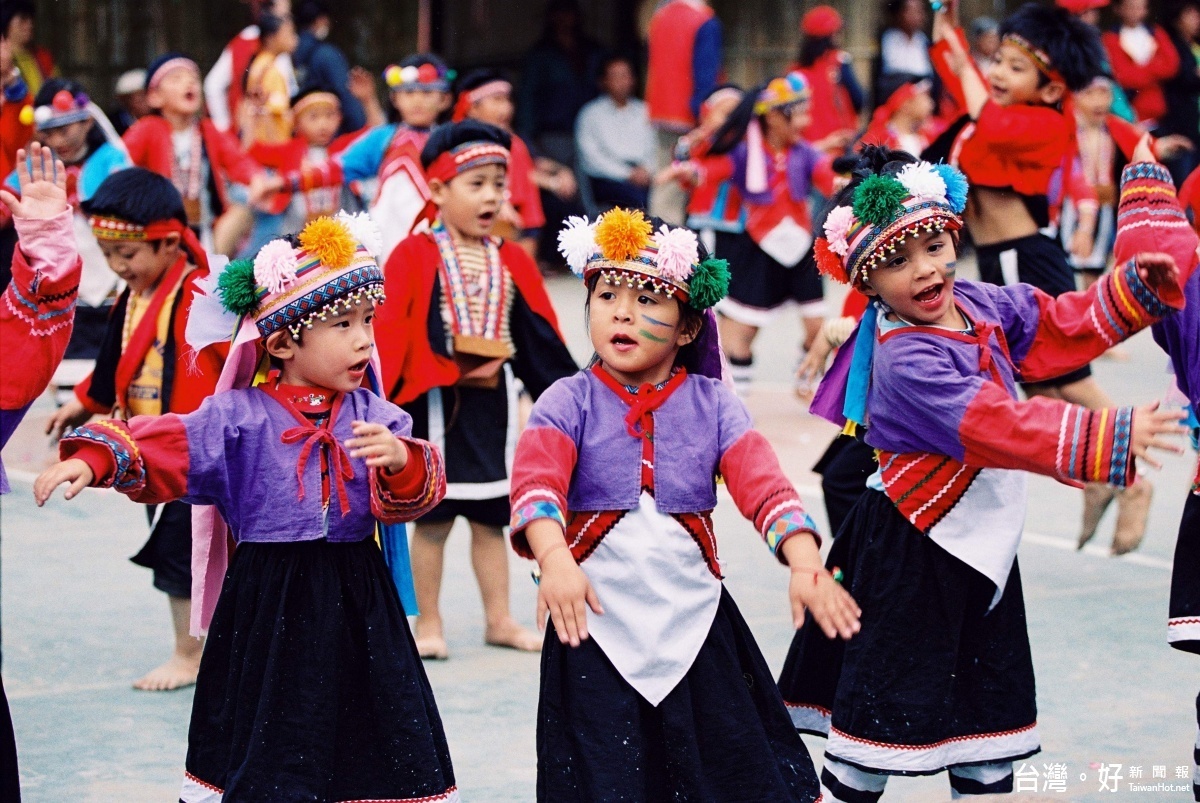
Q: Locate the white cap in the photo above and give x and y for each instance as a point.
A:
(130, 81)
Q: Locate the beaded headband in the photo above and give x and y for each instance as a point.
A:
(315, 99)
(182, 62)
(426, 76)
(63, 109)
(621, 248)
(105, 227)
(1040, 58)
(288, 287)
(464, 157)
(887, 209)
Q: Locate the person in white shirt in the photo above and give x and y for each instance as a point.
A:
(615, 141)
(904, 47)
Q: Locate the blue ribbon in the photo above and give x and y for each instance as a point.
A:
(859, 379)
(393, 540)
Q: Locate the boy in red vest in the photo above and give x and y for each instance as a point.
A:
(179, 142)
(144, 368)
(467, 317)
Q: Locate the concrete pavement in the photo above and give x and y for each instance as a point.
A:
(81, 622)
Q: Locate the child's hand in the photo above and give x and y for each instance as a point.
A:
(1149, 423)
(1157, 269)
(43, 181)
(65, 418)
(1082, 244)
(1144, 150)
(379, 446)
(564, 591)
(74, 471)
(815, 590)
(361, 85)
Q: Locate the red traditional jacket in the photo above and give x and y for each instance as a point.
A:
(1143, 82)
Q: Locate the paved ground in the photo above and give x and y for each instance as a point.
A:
(80, 622)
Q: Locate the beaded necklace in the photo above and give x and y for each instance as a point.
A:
(494, 287)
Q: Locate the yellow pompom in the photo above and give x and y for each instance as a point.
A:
(622, 233)
(330, 241)
(392, 77)
(26, 115)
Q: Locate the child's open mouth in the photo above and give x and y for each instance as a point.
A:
(486, 218)
(359, 368)
(930, 296)
(623, 343)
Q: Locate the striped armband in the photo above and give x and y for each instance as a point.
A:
(1094, 445)
(130, 475)
(791, 523)
(535, 505)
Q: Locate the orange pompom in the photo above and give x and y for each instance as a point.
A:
(622, 233)
(828, 262)
(329, 241)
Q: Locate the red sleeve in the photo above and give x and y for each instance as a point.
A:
(1164, 65)
(37, 310)
(1080, 190)
(280, 156)
(1189, 196)
(1150, 218)
(146, 141)
(1131, 75)
(1030, 130)
(939, 56)
(823, 177)
(225, 151)
(541, 475)
(762, 492)
(1047, 436)
(524, 194)
(413, 492)
(145, 458)
(82, 393)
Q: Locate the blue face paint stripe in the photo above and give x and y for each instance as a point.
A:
(648, 319)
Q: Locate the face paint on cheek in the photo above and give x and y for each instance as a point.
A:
(951, 268)
(648, 319)
(649, 336)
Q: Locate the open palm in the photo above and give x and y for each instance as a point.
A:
(43, 181)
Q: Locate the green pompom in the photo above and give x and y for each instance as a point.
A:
(239, 290)
(879, 199)
(709, 283)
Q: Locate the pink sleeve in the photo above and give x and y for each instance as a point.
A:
(541, 475)
(413, 492)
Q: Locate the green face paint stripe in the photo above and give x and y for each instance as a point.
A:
(655, 338)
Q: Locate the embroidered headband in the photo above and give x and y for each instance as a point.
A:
(63, 109)
(791, 88)
(105, 227)
(621, 247)
(288, 287)
(427, 76)
(470, 97)
(160, 72)
(315, 99)
(466, 156)
(887, 209)
(1040, 58)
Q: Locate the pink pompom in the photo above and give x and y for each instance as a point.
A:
(678, 252)
(275, 266)
(837, 226)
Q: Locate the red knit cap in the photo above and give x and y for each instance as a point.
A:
(821, 21)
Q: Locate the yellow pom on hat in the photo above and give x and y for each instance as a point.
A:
(330, 241)
(622, 233)
(26, 115)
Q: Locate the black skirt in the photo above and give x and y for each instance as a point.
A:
(722, 735)
(1184, 624)
(934, 679)
(757, 281)
(310, 687)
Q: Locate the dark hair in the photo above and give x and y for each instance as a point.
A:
(269, 24)
(14, 9)
(616, 58)
(417, 59)
(52, 87)
(449, 136)
(137, 195)
(733, 130)
(1173, 10)
(309, 11)
(690, 319)
(477, 78)
(1073, 46)
(157, 63)
(868, 160)
(312, 90)
(812, 48)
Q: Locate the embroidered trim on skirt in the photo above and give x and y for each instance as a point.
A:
(934, 679)
(310, 687)
(721, 735)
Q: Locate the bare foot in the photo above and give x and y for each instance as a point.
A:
(431, 643)
(178, 672)
(512, 635)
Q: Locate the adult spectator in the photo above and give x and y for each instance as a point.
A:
(130, 95)
(559, 76)
(223, 85)
(616, 143)
(985, 42)
(1142, 58)
(837, 97)
(33, 60)
(903, 47)
(1183, 91)
(684, 66)
(319, 64)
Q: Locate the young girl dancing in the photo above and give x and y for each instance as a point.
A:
(941, 675)
(661, 693)
(310, 687)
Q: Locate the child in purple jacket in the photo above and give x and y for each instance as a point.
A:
(660, 693)
(310, 687)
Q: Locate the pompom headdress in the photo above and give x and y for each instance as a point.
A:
(885, 211)
(622, 247)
